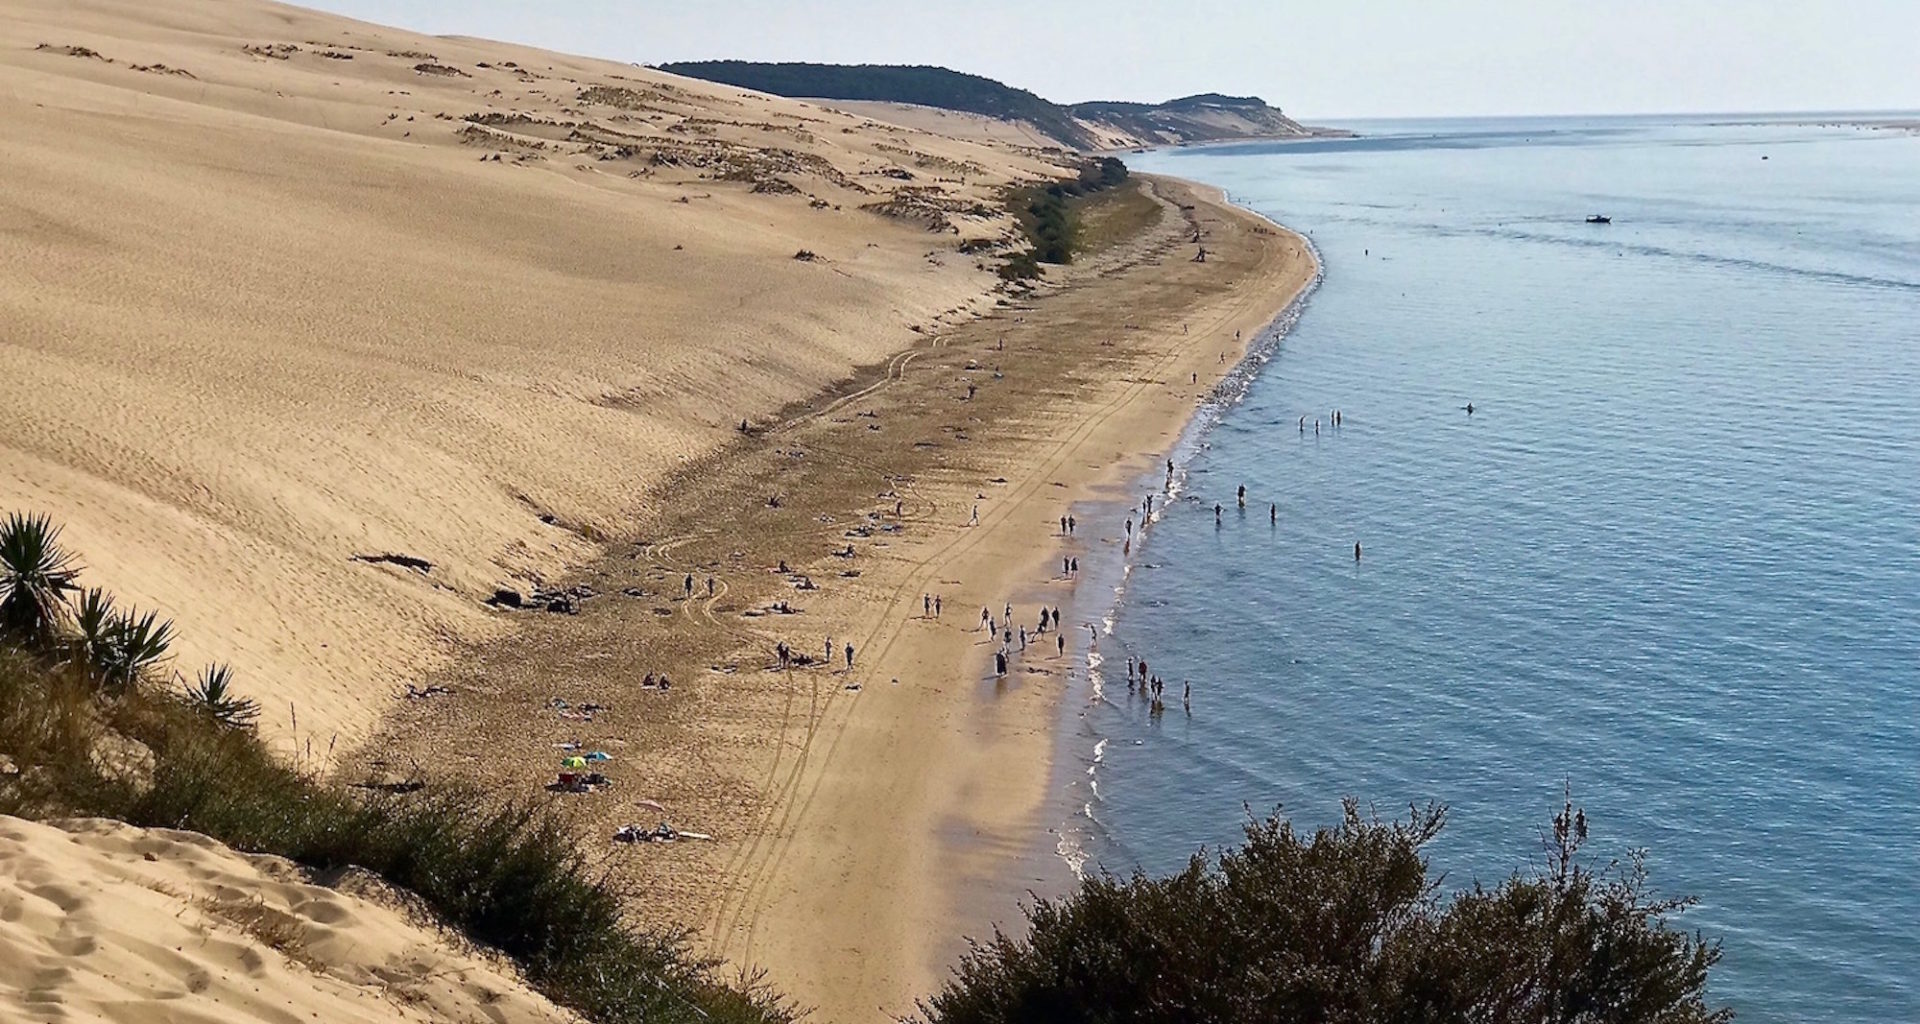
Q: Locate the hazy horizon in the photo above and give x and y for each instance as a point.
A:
(1367, 59)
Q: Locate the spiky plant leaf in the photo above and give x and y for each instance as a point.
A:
(36, 575)
(212, 694)
(95, 621)
(139, 644)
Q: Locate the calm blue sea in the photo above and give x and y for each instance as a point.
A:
(1672, 559)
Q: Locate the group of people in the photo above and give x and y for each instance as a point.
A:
(788, 658)
(1334, 419)
(1143, 682)
(1008, 634)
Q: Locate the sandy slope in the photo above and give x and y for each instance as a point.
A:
(957, 124)
(267, 302)
(100, 921)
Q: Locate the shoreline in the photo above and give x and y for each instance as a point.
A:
(1033, 865)
(1112, 575)
(867, 819)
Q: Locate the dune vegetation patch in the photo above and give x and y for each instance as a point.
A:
(95, 722)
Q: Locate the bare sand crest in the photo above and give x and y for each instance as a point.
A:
(103, 921)
(279, 290)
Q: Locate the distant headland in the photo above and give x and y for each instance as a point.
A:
(1100, 125)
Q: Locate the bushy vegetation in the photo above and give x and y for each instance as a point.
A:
(1047, 216)
(1345, 925)
(112, 736)
(892, 83)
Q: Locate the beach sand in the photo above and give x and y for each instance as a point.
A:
(866, 819)
(276, 319)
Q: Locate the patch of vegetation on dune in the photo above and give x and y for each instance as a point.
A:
(93, 724)
(1050, 220)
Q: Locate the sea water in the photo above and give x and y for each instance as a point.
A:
(1671, 559)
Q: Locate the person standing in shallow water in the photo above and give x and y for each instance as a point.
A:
(1356, 551)
(1273, 513)
(1243, 496)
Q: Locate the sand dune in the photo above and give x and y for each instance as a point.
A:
(279, 289)
(103, 921)
(956, 124)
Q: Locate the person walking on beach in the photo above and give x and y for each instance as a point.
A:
(1072, 524)
(1023, 638)
(1076, 566)
(936, 606)
(986, 620)
(999, 663)
(709, 586)
(1063, 526)
(786, 656)
(689, 584)
(926, 606)
(849, 657)
(976, 509)
(1009, 612)
(1066, 566)
(1060, 642)
(829, 658)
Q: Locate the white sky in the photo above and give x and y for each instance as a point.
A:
(1320, 60)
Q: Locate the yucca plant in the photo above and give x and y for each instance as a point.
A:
(212, 695)
(95, 621)
(137, 645)
(36, 575)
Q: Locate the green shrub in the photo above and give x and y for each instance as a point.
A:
(1345, 925)
(36, 575)
(1048, 219)
(212, 695)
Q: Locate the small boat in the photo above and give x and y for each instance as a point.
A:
(1599, 218)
